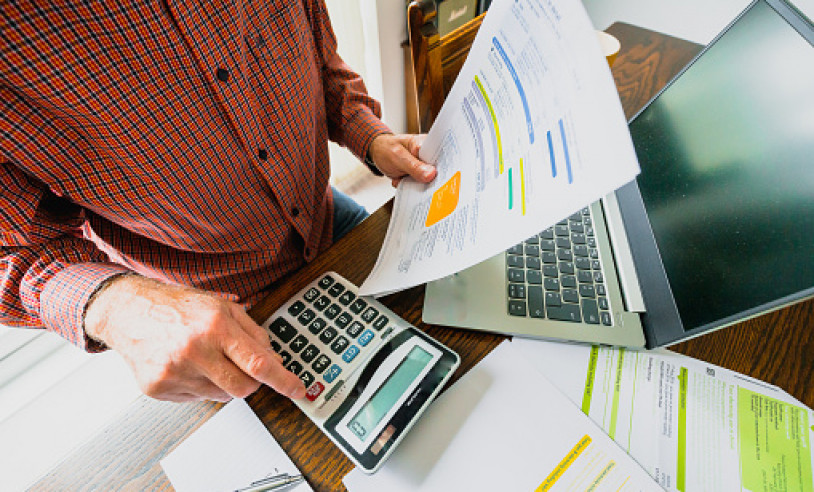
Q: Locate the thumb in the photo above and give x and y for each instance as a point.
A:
(418, 169)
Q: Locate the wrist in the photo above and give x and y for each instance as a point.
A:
(98, 308)
(370, 161)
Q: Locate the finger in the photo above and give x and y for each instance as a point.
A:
(193, 389)
(230, 379)
(261, 363)
(248, 324)
(253, 329)
(413, 143)
(416, 168)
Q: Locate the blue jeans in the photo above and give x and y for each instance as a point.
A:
(347, 214)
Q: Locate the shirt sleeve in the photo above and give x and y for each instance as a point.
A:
(353, 116)
(48, 272)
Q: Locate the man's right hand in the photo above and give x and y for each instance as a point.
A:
(185, 344)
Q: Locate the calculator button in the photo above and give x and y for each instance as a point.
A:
(355, 329)
(311, 294)
(328, 335)
(326, 282)
(314, 391)
(381, 322)
(347, 298)
(275, 346)
(343, 319)
(307, 378)
(351, 353)
(358, 305)
(306, 317)
(317, 326)
(322, 303)
(309, 353)
(332, 311)
(286, 357)
(321, 363)
(370, 314)
(283, 329)
(336, 289)
(295, 367)
(366, 337)
(332, 373)
(339, 345)
(298, 343)
(296, 308)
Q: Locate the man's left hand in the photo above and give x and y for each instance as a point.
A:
(396, 156)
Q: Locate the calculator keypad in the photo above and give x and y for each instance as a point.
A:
(324, 331)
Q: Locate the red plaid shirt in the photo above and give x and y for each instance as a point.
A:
(183, 140)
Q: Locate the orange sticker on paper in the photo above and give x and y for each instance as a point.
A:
(444, 200)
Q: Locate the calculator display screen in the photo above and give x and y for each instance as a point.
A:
(388, 394)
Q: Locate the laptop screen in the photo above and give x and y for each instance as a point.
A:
(727, 158)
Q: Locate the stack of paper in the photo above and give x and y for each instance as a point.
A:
(502, 426)
(693, 426)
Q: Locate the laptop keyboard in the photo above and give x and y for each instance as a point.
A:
(557, 274)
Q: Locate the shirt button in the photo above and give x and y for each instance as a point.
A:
(295, 212)
(222, 74)
(262, 154)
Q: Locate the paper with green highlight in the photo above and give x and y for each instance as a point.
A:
(775, 445)
(693, 426)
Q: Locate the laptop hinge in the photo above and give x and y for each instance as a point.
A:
(626, 268)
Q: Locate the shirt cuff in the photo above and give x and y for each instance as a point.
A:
(361, 131)
(64, 297)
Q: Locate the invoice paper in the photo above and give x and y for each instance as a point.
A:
(693, 426)
(531, 131)
(502, 426)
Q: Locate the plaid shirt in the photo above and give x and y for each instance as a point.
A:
(184, 140)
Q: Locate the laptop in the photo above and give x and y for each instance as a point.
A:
(717, 228)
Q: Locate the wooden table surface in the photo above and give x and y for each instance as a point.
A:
(777, 347)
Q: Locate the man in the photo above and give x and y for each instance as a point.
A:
(162, 163)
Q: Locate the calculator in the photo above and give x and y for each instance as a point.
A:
(368, 373)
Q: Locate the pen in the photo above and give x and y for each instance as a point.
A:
(272, 483)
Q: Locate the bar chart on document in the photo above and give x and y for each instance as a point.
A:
(531, 131)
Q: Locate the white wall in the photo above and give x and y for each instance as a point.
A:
(370, 33)
(694, 20)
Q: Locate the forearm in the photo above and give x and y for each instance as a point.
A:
(353, 116)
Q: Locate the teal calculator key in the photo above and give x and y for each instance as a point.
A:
(351, 353)
(365, 338)
(332, 373)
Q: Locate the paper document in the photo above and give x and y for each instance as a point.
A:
(531, 131)
(693, 426)
(502, 426)
(228, 452)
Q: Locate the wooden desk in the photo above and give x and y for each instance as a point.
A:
(777, 348)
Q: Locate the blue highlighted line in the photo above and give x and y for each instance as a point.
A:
(567, 157)
(551, 154)
(517, 83)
